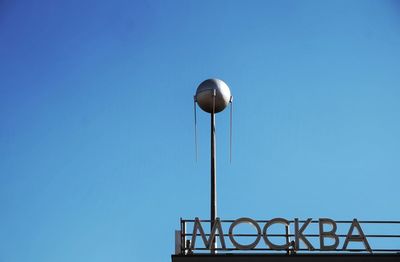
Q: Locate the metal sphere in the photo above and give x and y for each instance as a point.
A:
(205, 95)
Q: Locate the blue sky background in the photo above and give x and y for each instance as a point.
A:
(97, 155)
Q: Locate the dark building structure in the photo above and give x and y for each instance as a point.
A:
(287, 258)
(271, 240)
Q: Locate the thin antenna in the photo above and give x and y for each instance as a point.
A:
(230, 131)
(214, 95)
(195, 125)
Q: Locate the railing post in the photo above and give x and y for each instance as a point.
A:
(287, 238)
(183, 224)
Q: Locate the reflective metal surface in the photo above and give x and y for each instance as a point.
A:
(205, 95)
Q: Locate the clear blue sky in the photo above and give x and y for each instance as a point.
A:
(97, 141)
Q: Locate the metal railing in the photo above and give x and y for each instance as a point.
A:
(381, 237)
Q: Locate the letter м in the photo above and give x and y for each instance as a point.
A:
(216, 226)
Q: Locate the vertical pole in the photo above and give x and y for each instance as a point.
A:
(287, 239)
(213, 181)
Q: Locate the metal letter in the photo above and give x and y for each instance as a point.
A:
(356, 238)
(327, 234)
(265, 236)
(298, 234)
(216, 226)
(248, 221)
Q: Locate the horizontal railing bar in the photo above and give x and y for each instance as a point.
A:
(300, 249)
(302, 221)
(289, 235)
(185, 223)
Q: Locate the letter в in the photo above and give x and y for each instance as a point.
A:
(327, 234)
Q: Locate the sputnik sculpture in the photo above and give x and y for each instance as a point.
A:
(213, 96)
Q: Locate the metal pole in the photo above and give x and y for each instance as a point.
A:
(213, 181)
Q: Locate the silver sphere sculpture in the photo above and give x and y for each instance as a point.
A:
(205, 95)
